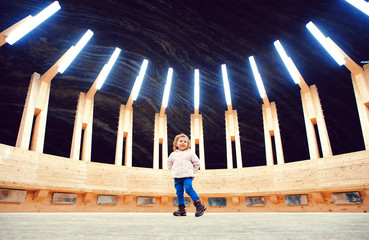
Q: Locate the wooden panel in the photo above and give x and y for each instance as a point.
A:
(296, 200)
(146, 201)
(107, 200)
(64, 198)
(344, 171)
(255, 202)
(60, 171)
(346, 198)
(17, 166)
(12, 196)
(217, 202)
(296, 176)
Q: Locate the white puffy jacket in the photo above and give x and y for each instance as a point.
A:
(183, 163)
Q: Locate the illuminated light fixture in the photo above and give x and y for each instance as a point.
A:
(106, 69)
(74, 51)
(227, 90)
(326, 43)
(287, 62)
(197, 88)
(167, 87)
(361, 5)
(139, 79)
(32, 22)
(257, 77)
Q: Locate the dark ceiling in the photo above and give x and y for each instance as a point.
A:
(186, 35)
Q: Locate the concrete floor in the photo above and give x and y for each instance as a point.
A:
(165, 226)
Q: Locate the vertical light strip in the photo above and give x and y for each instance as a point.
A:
(32, 23)
(329, 47)
(167, 87)
(259, 81)
(227, 90)
(107, 68)
(361, 5)
(139, 79)
(287, 62)
(197, 88)
(74, 51)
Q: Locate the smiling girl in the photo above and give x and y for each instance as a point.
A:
(184, 164)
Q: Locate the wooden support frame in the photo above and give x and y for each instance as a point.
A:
(360, 82)
(232, 135)
(160, 128)
(197, 136)
(40, 195)
(160, 137)
(36, 108)
(313, 115)
(84, 117)
(271, 128)
(125, 130)
(83, 121)
(125, 124)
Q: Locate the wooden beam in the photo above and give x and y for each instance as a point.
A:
(40, 195)
(87, 197)
(318, 197)
(274, 199)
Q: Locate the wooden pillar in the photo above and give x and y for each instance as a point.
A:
(360, 82)
(197, 137)
(83, 121)
(125, 130)
(36, 106)
(160, 137)
(232, 135)
(313, 114)
(84, 118)
(271, 128)
(125, 124)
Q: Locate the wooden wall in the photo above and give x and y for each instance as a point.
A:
(42, 175)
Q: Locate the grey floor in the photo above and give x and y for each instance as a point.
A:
(165, 226)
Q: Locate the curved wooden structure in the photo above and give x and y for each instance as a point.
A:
(316, 181)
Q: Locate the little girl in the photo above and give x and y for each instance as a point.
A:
(184, 164)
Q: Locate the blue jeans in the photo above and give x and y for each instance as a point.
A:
(181, 184)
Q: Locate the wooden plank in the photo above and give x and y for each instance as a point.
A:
(64, 198)
(12, 195)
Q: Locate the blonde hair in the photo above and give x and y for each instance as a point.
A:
(176, 140)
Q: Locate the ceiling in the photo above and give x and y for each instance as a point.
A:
(186, 35)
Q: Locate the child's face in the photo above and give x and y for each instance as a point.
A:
(182, 143)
